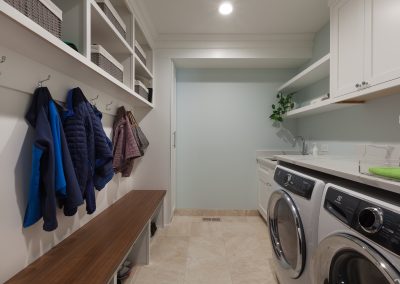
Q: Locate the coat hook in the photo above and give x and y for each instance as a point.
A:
(93, 100)
(40, 83)
(3, 59)
(108, 106)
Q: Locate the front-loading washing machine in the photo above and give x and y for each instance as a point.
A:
(293, 212)
(359, 237)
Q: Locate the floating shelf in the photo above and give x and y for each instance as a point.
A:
(141, 69)
(320, 107)
(314, 73)
(28, 38)
(105, 33)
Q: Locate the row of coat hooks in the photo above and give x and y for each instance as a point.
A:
(41, 82)
(93, 101)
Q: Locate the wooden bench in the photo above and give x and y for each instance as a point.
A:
(94, 252)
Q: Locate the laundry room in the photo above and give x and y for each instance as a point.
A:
(191, 142)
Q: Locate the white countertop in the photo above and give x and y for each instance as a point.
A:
(267, 157)
(343, 167)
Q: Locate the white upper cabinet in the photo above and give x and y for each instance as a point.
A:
(382, 41)
(347, 44)
(365, 45)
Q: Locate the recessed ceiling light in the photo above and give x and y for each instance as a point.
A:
(225, 8)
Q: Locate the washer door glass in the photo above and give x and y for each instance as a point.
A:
(345, 259)
(350, 267)
(287, 234)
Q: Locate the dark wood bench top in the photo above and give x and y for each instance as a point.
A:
(93, 253)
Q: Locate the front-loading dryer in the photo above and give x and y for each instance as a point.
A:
(293, 212)
(359, 237)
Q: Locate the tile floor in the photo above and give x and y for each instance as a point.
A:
(236, 250)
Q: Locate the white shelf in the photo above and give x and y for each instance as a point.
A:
(105, 33)
(320, 107)
(28, 38)
(314, 73)
(141, 69)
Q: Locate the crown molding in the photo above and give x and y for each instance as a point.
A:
(232, 40)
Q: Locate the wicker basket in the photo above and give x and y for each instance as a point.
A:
(42, 12)
(140, 52)
(141, 90)
(106, 62)
(113, 16)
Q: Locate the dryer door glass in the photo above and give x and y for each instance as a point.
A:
(287, 234)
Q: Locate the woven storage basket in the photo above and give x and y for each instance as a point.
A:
(44, 13)
(105, 61)
(140, 52)
(113, 16)
(141, 89)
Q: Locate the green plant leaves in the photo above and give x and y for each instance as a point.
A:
(285, 104)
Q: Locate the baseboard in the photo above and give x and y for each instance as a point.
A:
(215, 212)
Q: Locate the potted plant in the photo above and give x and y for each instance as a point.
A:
(285, 104)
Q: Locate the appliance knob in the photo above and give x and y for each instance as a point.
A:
(371, 219)
(288, 179)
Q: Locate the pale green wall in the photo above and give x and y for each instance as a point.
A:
(320, 49)
(222, 119)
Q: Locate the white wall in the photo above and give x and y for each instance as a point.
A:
(18, 246)
(222, 119)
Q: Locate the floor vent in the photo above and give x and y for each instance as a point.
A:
(206, 219)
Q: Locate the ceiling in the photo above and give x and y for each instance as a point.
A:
(250, 17)
(239, 63)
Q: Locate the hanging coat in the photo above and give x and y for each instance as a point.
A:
(125, 145)
(89, 146)
(52, 179)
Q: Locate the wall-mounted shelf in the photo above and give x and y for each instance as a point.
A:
(105, 33)
(314, 73)
(141, 69)
(320, 107)
(28, 38)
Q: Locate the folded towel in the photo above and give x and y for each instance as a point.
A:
(388, 172)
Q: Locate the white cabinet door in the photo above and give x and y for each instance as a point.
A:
(382, 55)
(347, 46)
(265, 188)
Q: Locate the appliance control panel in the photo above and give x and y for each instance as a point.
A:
(378, 224)
(294, 183)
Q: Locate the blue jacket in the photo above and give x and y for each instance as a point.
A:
(53, 179)
(90, 148)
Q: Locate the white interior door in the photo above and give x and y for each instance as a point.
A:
(347, 48)
(382, 41)
(173, 140)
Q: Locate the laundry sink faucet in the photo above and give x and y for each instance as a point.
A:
(304, 145)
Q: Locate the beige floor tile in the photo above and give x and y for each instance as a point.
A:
(208, 271)
(206, 247)
(207, 229)
(187, 219)
(167, 248)
(247, 246)
(167, 273)
(233, 229)
(255, 219)
(251, 270)
(177, 229)
(234, 218)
